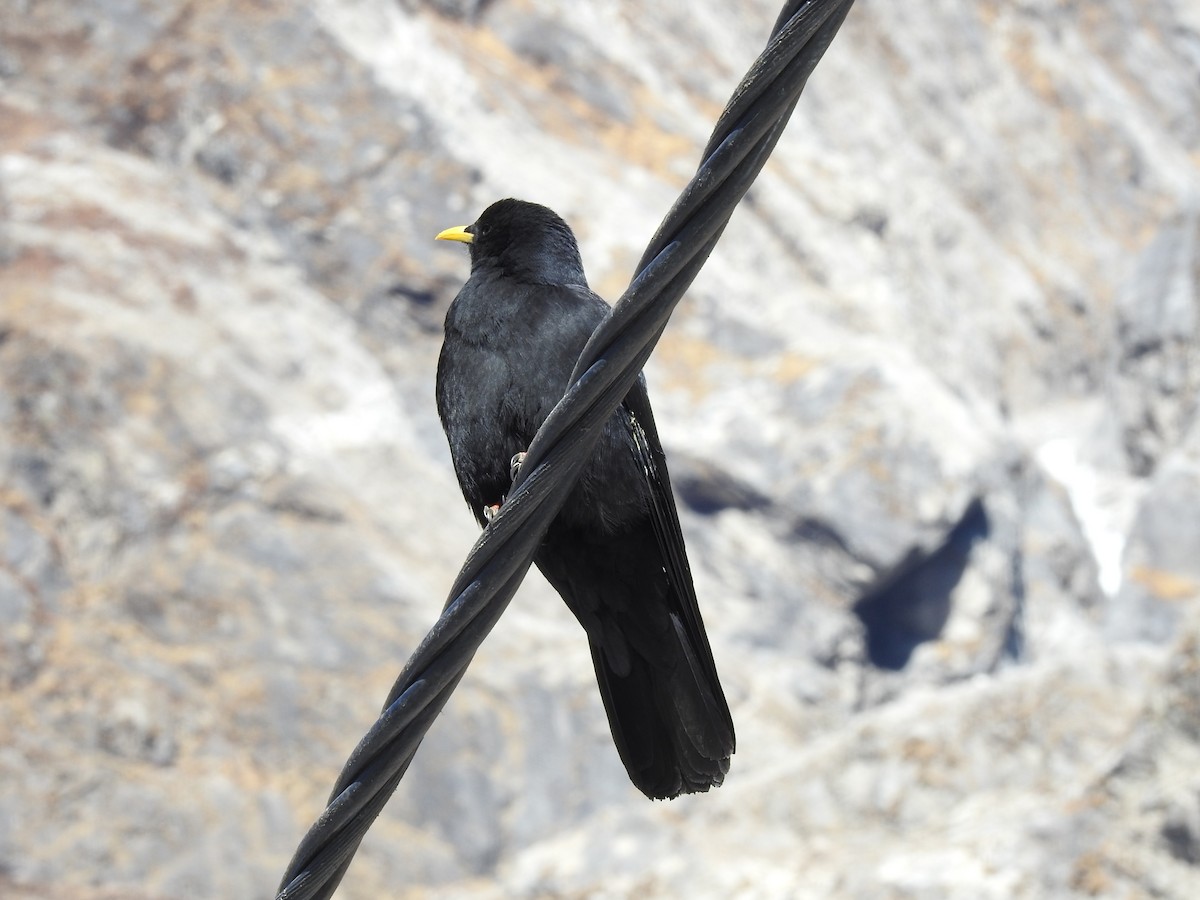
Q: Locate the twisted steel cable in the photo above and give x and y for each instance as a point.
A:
(742, 140)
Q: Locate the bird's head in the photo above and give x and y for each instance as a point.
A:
(522, 240)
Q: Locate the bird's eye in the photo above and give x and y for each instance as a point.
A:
(484, 229)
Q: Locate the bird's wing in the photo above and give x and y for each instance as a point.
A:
(665, 520)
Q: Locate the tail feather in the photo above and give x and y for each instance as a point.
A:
(669, 720)
(701, 704)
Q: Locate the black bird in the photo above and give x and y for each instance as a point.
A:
(615, 551)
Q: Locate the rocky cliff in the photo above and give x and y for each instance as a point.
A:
(931, 410)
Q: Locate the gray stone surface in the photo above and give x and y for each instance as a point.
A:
(1158, 323)
(930, 409)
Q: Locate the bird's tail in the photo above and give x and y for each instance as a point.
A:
(668, 715)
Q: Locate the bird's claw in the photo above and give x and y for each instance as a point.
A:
(514, 465)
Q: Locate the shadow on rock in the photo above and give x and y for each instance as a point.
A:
(910, 604)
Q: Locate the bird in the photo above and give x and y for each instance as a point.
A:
(615, 551)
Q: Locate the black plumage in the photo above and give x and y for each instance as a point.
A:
(615, 551)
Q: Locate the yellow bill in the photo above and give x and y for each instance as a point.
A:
(457, 233)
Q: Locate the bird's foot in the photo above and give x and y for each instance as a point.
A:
(514, 465)
(490, 512)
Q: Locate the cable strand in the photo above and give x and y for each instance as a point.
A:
(743, 139)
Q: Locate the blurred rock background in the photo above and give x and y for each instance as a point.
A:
(931, 410)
